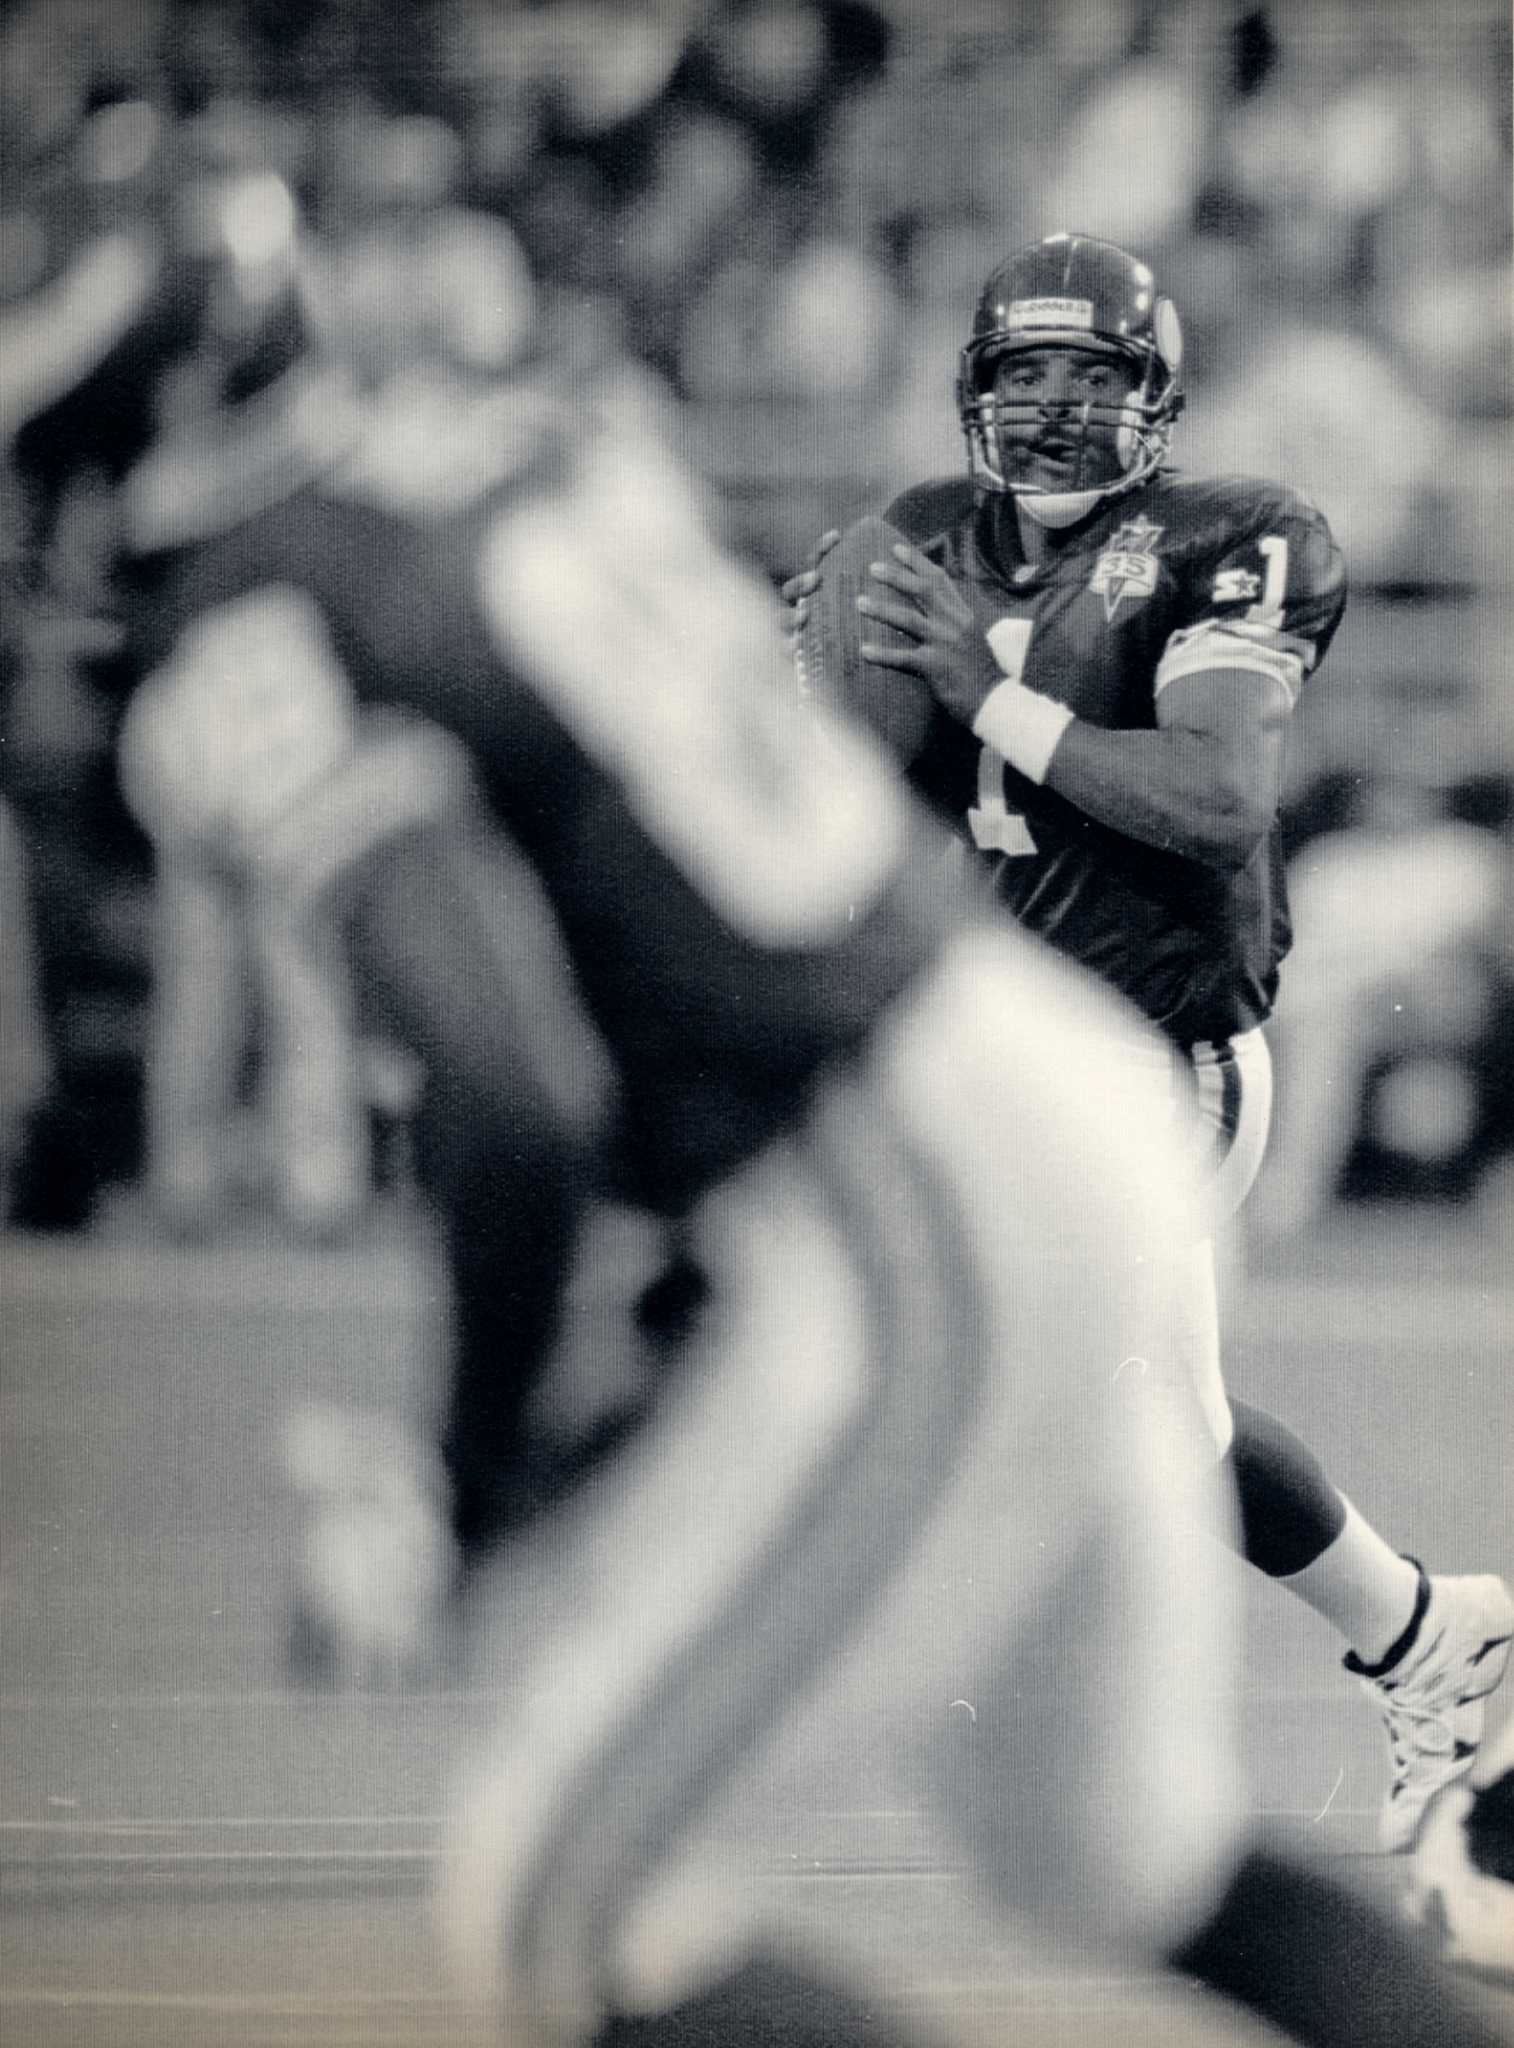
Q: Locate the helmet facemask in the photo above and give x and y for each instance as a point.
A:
(1138, 425)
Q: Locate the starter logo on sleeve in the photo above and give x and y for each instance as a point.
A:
(1235, 586)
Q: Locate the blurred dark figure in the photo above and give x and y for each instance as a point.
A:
(91, 316)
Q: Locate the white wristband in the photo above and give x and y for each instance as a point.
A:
(1023, 726)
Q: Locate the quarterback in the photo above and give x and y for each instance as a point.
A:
(1114, 650)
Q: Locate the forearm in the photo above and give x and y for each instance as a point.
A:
(1199, 793)
(1166, 789)
(1205, 782)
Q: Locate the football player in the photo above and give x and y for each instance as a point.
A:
(891, 1481)
(1115, 649)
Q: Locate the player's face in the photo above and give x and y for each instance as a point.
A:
(1057, 417)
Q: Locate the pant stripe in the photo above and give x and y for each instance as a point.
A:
(1234, 1092)
(1218, 1081)
(818, 1574)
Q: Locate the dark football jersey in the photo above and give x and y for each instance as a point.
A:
(739, 890)
(1170, 579)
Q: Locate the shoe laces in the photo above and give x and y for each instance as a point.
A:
(1416, 1731)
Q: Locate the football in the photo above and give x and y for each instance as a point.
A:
(895, 704)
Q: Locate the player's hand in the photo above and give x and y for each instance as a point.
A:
(797, 591)
(950, 650)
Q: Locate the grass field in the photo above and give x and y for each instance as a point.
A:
(191, 1852)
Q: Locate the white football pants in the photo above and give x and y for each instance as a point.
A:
(896, 1533)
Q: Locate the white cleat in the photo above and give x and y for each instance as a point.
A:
(375, 1559)
(1433, 1700)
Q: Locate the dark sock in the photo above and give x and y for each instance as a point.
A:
(1290, 1513)
(1294, 1946)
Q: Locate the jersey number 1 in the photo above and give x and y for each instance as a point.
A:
(994, 826)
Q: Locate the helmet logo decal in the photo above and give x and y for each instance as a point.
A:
(1026, 315)
(1128, 565)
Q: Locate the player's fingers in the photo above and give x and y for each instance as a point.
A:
(802, 584)
(903, 575)
(918, 565)
(893, 612)
(928, 588)
(823, 546)
(925, 580)
(893, 656)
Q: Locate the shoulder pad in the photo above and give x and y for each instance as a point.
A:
(1214, 507)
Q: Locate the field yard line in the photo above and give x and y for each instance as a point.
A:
(262, 2003)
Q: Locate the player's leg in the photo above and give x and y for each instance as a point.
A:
(1287, 1943)
(197, 1031)
(1427, 1650)
(315, 1118)
(1292, 1943)
(764, 2003)
(847, 1529)
(1126, 1696)
(660, 1626)
(1294, 1525)
(453, 948)
(453, 953)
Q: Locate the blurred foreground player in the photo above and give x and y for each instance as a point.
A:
(893, 1471)
(1461, 1885)
(1106, 653)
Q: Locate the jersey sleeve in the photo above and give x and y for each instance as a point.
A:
(1266, 594)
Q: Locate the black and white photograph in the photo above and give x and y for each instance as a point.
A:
(756, 985)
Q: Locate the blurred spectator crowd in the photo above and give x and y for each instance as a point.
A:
(776, 215)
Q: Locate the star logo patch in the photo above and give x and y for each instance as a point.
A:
(1235, 586)
(1127, 567)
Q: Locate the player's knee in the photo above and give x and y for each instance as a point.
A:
(1093, 1784)
(1109, 1861)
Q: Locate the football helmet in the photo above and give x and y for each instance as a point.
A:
(1072, 291)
